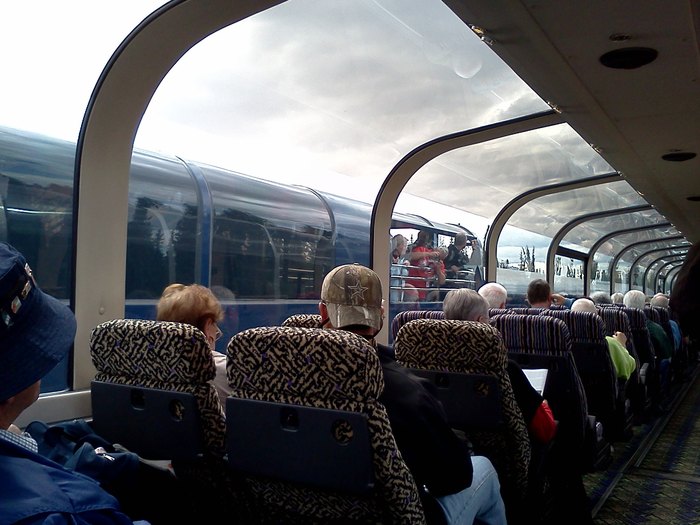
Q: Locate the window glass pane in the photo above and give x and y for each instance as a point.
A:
(590, 232)
(162, 228)
(64, 46)
(494, 172)
(343, 89)
(261, 251)
(547, 215)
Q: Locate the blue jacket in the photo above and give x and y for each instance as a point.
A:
(36, 490)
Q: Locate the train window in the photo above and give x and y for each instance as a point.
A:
(264, 251)
(243, 260)
(163, 226)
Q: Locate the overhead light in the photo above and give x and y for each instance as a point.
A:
(629, 57)
(482, 34)
(554, 107)
(694, 198)
(679, 156)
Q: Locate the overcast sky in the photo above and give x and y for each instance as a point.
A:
(330, 95)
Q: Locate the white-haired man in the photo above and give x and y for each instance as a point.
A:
(663, 348)
(495, 294)
(661, 300)
(466, 487)
(623, 362)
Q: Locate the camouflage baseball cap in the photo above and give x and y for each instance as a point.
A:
(353, 295)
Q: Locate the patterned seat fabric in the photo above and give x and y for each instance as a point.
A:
(660, 316)
(177, 357)
(332, 369)
(640, 335)
(538, 341)
(162, 355)
(526, 311)
(303, 321)
(473, 348)
(499, 311)
(616, 320)
(409, 315)
(645, 350)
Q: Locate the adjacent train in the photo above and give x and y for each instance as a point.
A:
(263, 247)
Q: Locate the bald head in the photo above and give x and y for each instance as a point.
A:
(584, 305)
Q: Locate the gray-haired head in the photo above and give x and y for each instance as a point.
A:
(495, 294)
(601, 298)
(660, 300)
(398, 244)
(465, 304)
(461, 240)
(617, 298)
(635, 299)
(584, 305)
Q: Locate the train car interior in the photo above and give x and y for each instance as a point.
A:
(252, 146)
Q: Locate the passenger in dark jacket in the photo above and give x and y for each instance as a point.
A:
(36, 332)
(466, 487)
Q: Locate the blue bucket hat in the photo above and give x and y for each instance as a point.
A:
(36, 330)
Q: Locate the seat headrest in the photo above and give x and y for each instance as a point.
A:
(538, 334)
(290, 363)
(448, 345)
(303, 321)
(141, 349)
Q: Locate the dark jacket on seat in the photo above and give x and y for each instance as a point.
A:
(435, 455)
(36, 490)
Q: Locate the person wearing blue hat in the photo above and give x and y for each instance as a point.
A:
(36, 332)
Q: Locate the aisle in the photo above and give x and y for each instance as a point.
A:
(661, 481)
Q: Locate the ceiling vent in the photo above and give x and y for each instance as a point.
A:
(629, 57)
(679, 156)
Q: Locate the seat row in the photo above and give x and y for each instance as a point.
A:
(305, 438)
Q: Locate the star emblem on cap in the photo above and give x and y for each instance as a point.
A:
(358, 291)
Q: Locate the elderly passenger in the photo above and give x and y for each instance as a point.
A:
(196, 305)
(495, 294)
(622, 360)
(467, 305)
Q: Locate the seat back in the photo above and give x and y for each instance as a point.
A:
(616, 320)
(499, 311)
(331, 448)
(165, 356)
(468, 347)
(156, 424)
(526, 310)
(660, 316)
(335, 370)
(303, 321)
(402, 318)
(538, 341)
(640, 335)
(645, 350)
(593, 362)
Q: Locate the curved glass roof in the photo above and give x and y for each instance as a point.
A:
(548, 214)
(494, 172)
(610, 224)
(341, 91)
(342, 87)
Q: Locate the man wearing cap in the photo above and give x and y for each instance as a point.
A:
(36, 332)
(465, 486)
